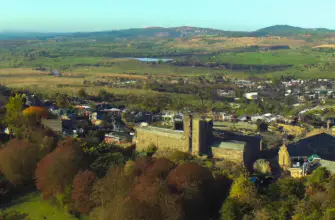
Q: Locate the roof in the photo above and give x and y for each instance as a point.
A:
(232, 145)
(321, 144)
(161, 131)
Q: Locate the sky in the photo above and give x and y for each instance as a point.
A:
(98, 15)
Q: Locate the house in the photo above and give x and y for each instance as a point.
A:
(54, 124)
(118, 138)
(251, 95)
(55, 73)
(226, 93)
(296, 157)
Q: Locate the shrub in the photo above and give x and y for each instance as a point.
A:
(262, 166)
(179, 156)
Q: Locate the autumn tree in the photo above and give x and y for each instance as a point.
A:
(82, 190)
(51, 177)
(194, 183)
(18, 161)
(36, 112)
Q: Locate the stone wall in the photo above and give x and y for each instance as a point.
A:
(195, 138)
(161, 139)
(227, 154)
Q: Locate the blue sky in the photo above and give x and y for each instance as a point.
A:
(96, 15)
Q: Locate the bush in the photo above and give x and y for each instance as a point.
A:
(179, 156)
(262, 166)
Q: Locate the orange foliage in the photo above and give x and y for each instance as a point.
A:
(188, 175)
(82, 189)
(36, 110)
(161, 168)
(18, 161)
(56, 170)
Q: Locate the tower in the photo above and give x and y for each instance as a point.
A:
(188, 132)
(202, 132)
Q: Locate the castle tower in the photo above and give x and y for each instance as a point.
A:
(188, 131)
(202, 133)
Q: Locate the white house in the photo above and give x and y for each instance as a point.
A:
(251, 95)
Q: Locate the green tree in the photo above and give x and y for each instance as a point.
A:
(243, 190)
(82, 93)
(62, 101)
(14, 115)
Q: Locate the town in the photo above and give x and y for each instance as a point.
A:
(171, 123)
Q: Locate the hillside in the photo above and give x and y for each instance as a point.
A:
(171, 32)
(286, 30)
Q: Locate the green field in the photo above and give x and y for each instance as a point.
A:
(280, 57)
(37, 209)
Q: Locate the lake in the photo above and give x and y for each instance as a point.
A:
(152, 59)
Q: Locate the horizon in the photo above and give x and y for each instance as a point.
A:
(103, 15)
(148, 27)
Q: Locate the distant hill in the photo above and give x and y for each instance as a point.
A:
(172, 32)
(286, 30)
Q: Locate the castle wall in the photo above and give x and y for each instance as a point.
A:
(250, 154)
(195, 138)
(161, 139)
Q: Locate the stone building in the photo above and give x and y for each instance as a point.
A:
(300, 157)
(195, 138)
(237, 151)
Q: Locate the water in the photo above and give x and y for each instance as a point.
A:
(152, 59)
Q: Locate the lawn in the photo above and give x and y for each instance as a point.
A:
(37, 209)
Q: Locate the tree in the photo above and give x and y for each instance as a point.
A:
(105, 96)
(161, 168)
(155, 103)
(204, 94)
(82, 190)
(243, 190)
(82, 93)
(14, 114)
(62, 101)
(51, 177)
(18, 161)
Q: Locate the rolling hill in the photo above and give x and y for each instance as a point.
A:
(172, 32)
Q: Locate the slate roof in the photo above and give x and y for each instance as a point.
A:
(231, 145)
(321, 144)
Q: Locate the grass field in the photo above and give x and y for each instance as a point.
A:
(36, 209)
(282, 57)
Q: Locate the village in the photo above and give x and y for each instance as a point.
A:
(290, 142)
